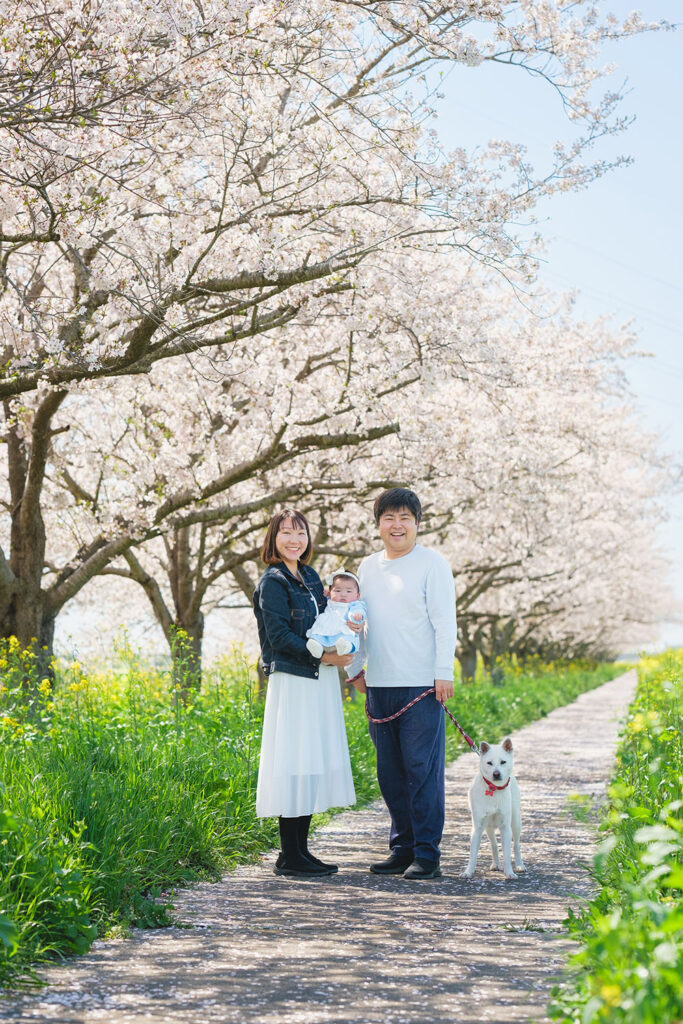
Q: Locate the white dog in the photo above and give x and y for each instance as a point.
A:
(494, 802)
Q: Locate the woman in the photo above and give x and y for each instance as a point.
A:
(304, 765)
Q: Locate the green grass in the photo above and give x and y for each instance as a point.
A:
(112, 792)
(629, 967)
(490, 712)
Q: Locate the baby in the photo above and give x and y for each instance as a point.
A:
(330, 631)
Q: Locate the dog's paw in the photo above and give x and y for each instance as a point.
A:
(494, 866)
(510, 875)
(466, 874)
(520, 869)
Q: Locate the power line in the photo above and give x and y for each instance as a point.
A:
(619, 263)
(661, 401)
(672, 369)
(601, 296)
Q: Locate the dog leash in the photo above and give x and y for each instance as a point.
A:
(390, 718)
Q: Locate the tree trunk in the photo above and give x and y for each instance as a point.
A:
(467, 656)
(27, 612)
(184, 630)
(501, 637)
(46, 646)
(186, 653)
(188, 624)
(247, 586)
(261, 680)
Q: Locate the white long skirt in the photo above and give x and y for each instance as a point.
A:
(304, 766)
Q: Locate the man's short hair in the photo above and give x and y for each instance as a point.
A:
(395, 499)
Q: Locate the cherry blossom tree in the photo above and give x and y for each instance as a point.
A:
(537, 483)
(183, 178)
(570, 566)
(201, 444)
(551, 498)
(283, 149)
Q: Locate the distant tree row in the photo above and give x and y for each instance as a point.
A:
(236, 270)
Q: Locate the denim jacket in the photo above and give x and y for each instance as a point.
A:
(285, 608)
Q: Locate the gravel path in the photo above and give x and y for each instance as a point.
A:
(356, 948)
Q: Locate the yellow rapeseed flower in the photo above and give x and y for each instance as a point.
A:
(12, 724)
(637, 723)
(611, 995)
(645, 721)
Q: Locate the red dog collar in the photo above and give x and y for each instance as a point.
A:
(492, 788)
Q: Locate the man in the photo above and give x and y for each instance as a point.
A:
(410, 647)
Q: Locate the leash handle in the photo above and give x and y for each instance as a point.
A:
(390, 718)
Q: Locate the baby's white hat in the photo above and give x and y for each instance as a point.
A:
(341, 571)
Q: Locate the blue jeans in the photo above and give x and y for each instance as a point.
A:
(410, 768)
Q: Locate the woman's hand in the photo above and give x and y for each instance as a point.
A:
(340, 660)
(355, 626)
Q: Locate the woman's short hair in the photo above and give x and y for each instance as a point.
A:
(396, 499)
(269, 552)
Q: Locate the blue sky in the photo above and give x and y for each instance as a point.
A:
(617, 242)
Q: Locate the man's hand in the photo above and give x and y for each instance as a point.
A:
(359, 682)
(353, 625)
(444, 689)
(340, 660)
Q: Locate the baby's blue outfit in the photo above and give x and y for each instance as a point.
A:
(331, 624)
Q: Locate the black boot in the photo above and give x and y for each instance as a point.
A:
(291, 861)
(302, 836)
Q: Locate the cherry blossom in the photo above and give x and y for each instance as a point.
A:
(235, 259)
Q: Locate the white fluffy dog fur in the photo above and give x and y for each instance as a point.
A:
(494, 802)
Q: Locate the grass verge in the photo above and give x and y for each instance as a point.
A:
(629, 967)
(112, 792)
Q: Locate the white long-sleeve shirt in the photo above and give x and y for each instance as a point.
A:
(411, 628)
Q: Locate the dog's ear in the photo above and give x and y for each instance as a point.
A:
(483, 748)
(507, 746)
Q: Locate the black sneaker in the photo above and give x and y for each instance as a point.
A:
(420, 869)
(393, 865)
(298, 867)
(331, 869)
